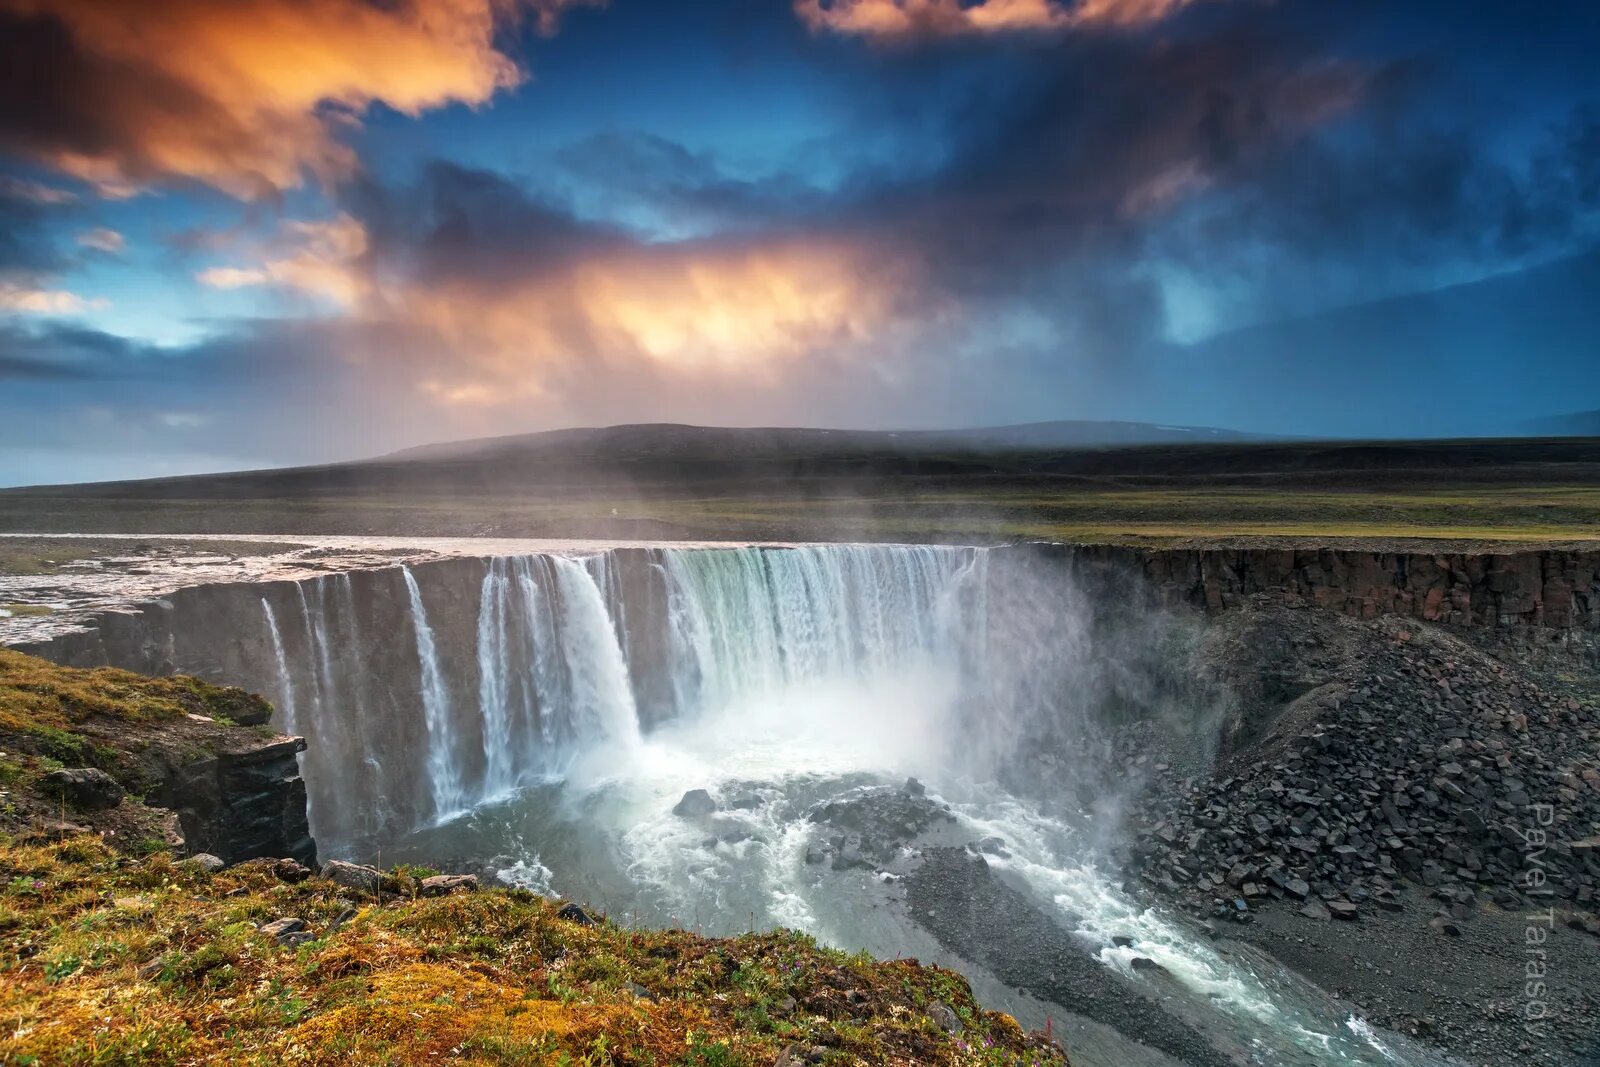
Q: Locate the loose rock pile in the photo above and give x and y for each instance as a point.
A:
(1418, 760)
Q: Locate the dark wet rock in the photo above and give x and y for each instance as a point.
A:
(878, 822)
(1146, 965)
(574, 914)
(1122, 941)
(849, 858)
(85, 788)
(696, 804)
(993, 846)
(975, 914)
(914, 787)
(439, 885)
(353, 875)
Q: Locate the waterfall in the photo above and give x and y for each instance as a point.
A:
(286, 712)
(552, 677)
(752, 620)
(443, 774)
(494, 677)
(313, 644)
(601, 696)
(558, 659)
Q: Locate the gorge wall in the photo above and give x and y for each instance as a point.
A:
(1555, 588)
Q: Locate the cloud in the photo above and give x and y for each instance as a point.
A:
(32, 192)
(29, 301)
(523, 300)
(909, 19)
(317, 258)
(102, 239)
(247, 96)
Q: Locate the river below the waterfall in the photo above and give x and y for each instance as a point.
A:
(855, 715)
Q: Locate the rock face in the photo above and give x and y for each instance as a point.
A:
(86, 788)
(244, 804)
(1550, 588)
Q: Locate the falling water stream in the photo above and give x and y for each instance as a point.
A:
(599, 689)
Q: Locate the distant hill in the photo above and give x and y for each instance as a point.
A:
(1577, 424)
(666, 439)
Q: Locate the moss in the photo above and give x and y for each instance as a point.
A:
(114, 958)
(44, 699)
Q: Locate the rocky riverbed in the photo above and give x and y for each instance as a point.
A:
(1405, 813)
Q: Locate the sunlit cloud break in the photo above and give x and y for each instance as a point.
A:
(898, 19)
(247, 96)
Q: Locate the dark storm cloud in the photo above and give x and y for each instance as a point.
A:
(458, 223)
(691, 189)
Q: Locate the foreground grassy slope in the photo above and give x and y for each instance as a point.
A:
(113, 952)
(107, 958)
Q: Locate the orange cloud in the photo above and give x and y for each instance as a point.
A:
(685, 311)
(243, 95)
(320, 259)
(19, 299)
(899, 19)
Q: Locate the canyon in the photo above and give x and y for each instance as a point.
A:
(892, 742)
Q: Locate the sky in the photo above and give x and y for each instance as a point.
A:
(274, 232)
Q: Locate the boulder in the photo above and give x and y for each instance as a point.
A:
(696, 804)
(291, 871)
(85, 788)
(944, 1017)
(1316, 909)
(440, 885)
(574, 914)
(286, 925)
(353, 875)
(204, 861)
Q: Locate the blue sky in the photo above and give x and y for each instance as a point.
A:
(287, 231)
